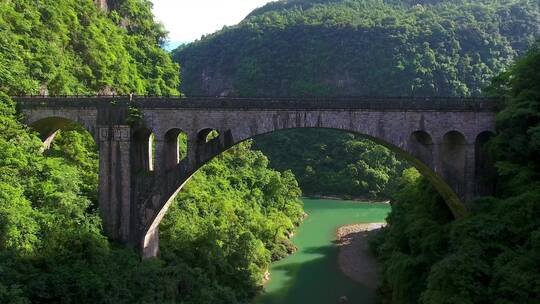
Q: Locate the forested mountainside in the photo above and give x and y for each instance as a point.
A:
(71, 47)
(356, 47)
(334, 163)
(218, 238)
(493, 255)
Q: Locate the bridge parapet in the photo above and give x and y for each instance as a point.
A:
(476, 104)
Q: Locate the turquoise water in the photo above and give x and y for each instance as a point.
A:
(312, 275)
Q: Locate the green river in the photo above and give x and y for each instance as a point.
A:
(312, 275)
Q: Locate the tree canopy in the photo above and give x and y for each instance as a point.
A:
(492, 256)
(71, 47)
(359, 48)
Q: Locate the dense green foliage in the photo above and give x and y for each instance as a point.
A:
(71, 47)
(492, 256)
(517, 144)
(353, 47)
(217, 240)
(416, 238)
(332, 163)
(49, 236)
(230, 222)
(220, 235)
(226, 227)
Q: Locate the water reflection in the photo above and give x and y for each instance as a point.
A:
(312, 274)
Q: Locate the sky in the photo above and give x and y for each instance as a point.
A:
(188, 20)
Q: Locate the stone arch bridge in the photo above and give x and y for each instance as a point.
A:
(441, 137)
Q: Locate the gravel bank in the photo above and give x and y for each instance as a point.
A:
(354, 258)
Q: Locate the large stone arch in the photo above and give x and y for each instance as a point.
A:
(414, 151)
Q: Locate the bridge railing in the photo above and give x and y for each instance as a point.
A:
(262, 103)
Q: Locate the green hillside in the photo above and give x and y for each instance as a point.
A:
(71, 47)
(356, 48)
(492, 255)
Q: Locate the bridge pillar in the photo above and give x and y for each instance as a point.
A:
(192, 144)
(115, 195)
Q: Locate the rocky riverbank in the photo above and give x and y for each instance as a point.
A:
(354, 258)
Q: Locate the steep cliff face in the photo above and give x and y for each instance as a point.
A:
(102, 4)
(72, 47)
(108, 5)
(353, 47)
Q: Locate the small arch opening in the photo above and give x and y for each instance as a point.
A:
(421, 146)
(151, 151)
(454, 160)
(422, 137)
(484, 171)
(49, 127)
(206, 135)
(143, 150)
(175, 149)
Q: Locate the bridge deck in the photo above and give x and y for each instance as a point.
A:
(287, 103)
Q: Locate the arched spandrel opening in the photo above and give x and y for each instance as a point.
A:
(454, 160)
(175, 148)
(151, 152)
(484, 171)
(143, 158)
(421, 146)
(206, 135)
